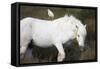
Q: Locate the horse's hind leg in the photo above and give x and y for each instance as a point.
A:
(22, 51)
(23, 48)
(61, 53)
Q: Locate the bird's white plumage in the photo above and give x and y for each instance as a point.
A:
(50, 13)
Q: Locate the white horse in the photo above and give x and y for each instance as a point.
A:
(47, 33)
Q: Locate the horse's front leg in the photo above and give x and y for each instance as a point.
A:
(61, 53)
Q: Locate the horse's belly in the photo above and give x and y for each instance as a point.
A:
(42, 34)
(42, 41)
(42, 38)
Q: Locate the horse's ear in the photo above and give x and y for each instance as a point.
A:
(85, 25)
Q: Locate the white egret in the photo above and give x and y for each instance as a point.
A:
(51, 14)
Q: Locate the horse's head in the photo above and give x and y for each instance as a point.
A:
(81, 35)
(81, 32)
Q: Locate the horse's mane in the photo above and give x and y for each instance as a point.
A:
(63, 19)
(79, 24)
(75, 21)
(69, 19)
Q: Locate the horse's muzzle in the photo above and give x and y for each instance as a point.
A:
(85, 47)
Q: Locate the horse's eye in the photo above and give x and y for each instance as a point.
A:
(78, 35)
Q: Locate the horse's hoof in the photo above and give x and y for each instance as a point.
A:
(60, 57)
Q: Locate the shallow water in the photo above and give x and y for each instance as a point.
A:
(72, 51)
